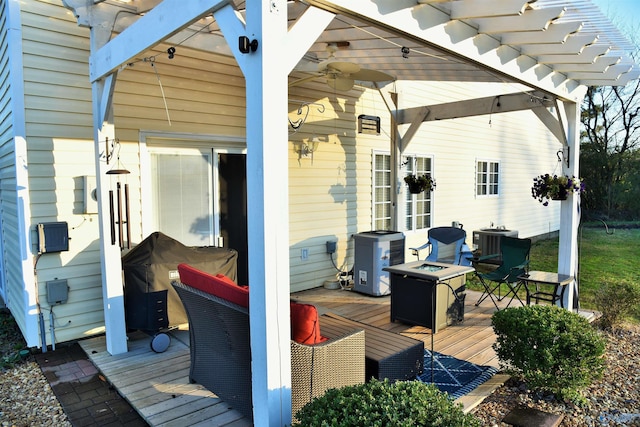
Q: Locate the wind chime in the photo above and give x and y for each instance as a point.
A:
(119, 221)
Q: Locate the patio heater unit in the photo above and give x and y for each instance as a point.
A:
(375, 250)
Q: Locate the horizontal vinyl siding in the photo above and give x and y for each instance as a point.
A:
(11, 129)
(330, 196)
(518, 141)
(204, 95)
(7, 167)
(59, 127)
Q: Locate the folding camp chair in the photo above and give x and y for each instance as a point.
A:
(447, 245)
(515, 261)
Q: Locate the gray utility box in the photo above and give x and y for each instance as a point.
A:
(375, 250)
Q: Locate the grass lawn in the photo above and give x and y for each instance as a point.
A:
(602, 258)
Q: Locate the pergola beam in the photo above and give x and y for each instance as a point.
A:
(477, 107)
(175, 15)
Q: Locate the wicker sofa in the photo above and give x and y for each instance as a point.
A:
(221, 354)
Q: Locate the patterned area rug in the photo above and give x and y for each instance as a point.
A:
(454, 376)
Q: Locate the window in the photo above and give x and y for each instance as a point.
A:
(418, 207)
(487, 178)
(382, 192)
(418, 210)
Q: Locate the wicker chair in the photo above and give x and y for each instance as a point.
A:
(221, 354)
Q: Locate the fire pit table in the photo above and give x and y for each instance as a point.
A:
(427, 293)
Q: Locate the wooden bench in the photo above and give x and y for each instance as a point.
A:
(387, 354)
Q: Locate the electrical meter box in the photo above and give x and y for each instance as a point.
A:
(53, 237)
(375, 250)
(57, 291)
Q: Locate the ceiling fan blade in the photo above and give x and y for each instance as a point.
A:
(343, 67)
(371, 76)
(303, 80)
(340, 83)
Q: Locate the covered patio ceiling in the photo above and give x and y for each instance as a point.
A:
(549, 45)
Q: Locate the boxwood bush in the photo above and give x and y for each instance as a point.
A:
(549, 348)
(616, 301)
(382, 403)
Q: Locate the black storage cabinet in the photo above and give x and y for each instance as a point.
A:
(151, 303)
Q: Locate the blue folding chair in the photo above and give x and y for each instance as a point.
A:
(447, 245)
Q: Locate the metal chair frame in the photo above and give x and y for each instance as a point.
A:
(445, 236)
(515, 262)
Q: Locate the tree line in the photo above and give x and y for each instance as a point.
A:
(610, 155)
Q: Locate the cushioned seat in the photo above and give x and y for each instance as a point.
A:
(221, 351)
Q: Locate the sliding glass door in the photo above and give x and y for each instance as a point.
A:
(198, 197)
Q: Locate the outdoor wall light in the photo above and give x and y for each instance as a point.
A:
(305, 149)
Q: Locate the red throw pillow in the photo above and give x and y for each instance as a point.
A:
(218, 285)
(305, 327)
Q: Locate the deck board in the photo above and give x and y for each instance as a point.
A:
(157, 384)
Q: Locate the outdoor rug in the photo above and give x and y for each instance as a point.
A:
(454, 376)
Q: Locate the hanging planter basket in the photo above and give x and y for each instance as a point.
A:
(415, 188)
(418, 184)
(547, 187)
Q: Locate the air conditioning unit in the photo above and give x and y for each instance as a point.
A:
(375, 250)
(488, 241)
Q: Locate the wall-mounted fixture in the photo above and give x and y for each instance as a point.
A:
(89, 195)
(111, 149)
(52, 237)
(305, 149)
(369, 124)
(245, 45)
(563, 154)
(303, 109)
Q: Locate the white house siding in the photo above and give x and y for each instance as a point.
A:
(518, 140)
(204, 96)
(331, 195)
(60, 152)
(14, 198)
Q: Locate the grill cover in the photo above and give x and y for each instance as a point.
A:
(151, 303)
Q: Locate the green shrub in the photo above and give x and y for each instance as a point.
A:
(549, 348)
(617, 301)
(381, 403)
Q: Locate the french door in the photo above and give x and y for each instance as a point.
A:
(198, 197)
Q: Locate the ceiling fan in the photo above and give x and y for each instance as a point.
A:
(342, 75)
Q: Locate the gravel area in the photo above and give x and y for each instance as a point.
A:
(26, 399)
(613, 400)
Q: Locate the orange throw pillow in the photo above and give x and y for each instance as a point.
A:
(305, 327)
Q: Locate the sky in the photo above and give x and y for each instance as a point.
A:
(624, 13)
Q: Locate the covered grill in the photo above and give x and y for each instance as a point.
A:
(151, 304)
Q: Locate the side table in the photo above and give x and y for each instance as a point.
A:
(545, 278)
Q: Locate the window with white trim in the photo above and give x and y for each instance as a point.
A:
(382, 192)
(418, 207)
(487, 178)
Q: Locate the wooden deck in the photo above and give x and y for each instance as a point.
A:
(157, 386)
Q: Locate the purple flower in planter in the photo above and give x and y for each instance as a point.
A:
(546, 187)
